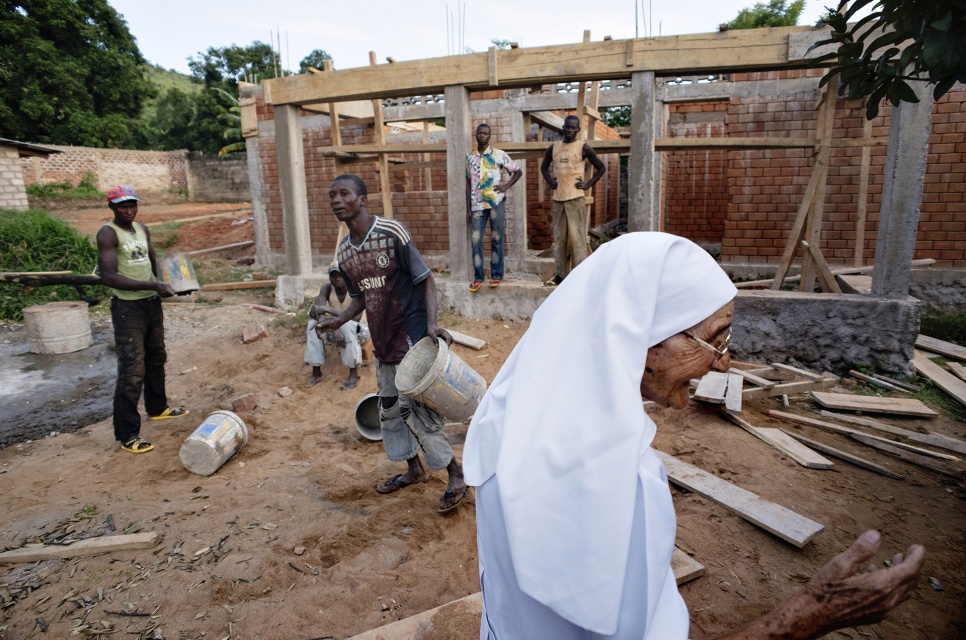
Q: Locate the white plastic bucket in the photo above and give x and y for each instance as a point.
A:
(367, 418)
(215, 442)
(58, 327)
(432, 374)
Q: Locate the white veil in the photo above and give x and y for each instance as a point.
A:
(563, 425)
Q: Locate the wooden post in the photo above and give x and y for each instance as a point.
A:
(458, 144)
(863, 194)
(826, 121)
(339, 167)
(380, 138)
(291, 178)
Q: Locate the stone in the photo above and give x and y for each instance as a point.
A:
(254, 333)
(284, 391)
(245, 402)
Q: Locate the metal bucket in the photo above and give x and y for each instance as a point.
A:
(437, 377)
(367, 418)
(219, 438)
(177, 271)
(58, 327)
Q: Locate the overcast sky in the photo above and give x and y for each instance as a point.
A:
(170, 31)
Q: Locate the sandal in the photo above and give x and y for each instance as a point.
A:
(452, 499)
(394, 484)
(170, 412)
(553, 282)
(476, 285)
(137, 445)
(495, 282)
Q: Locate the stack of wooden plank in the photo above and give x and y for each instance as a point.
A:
(763, 381)
(954, 385)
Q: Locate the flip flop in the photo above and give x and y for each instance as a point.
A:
(170, 412)
(476, 285)
(137, 445)
(495, 283)
(393, 484)
(452, 499)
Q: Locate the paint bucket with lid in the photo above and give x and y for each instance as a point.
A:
(432, 374)
(177, 271)
(58, 327)
(367, 418)
(219, 438)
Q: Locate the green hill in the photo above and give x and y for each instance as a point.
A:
(165, 79)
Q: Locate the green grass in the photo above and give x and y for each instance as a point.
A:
(35, 241)
(950, 327)
(86, 188)
(165, 235)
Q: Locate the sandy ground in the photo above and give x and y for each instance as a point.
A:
(290, 541)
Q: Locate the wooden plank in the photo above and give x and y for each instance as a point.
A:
(224, 247)
(858, 375)
(467, 341)
(908, 456)
(89, 547)
(753, 379)
(808, 375)
(958, 369)
(934, 439)
(843, 455)
(794, 450)
(694, 54)
(774, 518)
(385, 188)
(874, 404)
(712, 387)
(685, 567)
(851, 432)
(826, 118)
(822, 270)
(899, 383)
(733, 395)
(940, 377)
(941, 347)
(924, 262)
(231, 286)
(789, 388)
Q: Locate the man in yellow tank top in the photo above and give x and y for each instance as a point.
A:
(127, 264)
(569, 222)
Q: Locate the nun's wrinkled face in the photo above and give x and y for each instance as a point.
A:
(672, 364)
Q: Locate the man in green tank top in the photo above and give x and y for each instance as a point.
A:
(127, 264)
(568, 208)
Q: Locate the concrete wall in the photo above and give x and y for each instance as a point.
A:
(12, 193)
(825, 331)
(940, 290)
(148, 171)
(214, 179)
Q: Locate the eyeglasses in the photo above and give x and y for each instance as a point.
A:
(719, 352)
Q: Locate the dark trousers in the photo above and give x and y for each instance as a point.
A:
(139, 336)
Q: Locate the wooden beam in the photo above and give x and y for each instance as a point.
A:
(774, 437)
(467, 341)
(684, 567)
(958, 369)
(774, 518)
(843, 455)
(712, 388)
(825, 278)
(826, 117)
(863, 197)
(940, 377)
(931, 438)
(908, 456)
(752, 378)
(808, 375)
(88, 547)
(788, 388)
(706, 53)
(941, 347)
(231, 286)
(385, 187)
(874, 404)
(835, 272)
(858, 375)
(224, 247)
(733, 395)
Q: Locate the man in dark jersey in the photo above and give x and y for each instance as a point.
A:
(386, 276)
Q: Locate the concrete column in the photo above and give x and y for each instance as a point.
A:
(291, 179)
(256, 190)
(641, 182)
(459, 140)
(901, 194)
(516, 224)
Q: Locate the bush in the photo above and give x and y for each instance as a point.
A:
(86, 188)
(35, 241)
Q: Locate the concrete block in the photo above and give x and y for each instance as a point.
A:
(244, 403)
(254, 333)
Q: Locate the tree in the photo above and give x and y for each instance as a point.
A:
(70, 73)
(775, 13)
(224, 67)
(900, 41)
(316, 60)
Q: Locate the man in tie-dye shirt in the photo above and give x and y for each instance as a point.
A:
(485, 199)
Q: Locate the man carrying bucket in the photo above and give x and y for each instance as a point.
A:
(386, 277)
(127, 263)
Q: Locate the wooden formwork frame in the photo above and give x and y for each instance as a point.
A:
(699, 54)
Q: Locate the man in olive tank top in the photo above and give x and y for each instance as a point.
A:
(569, 211)
(127, 264)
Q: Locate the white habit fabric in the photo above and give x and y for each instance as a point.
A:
(563, 430)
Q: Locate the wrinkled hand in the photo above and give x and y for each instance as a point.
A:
(848, 591)
(338, 338)
(439, 332)
(164, 289)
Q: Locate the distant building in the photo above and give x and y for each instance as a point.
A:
(13, 193)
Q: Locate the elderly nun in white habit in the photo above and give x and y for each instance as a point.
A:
(575, 521)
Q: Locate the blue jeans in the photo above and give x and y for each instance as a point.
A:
(495, 216)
